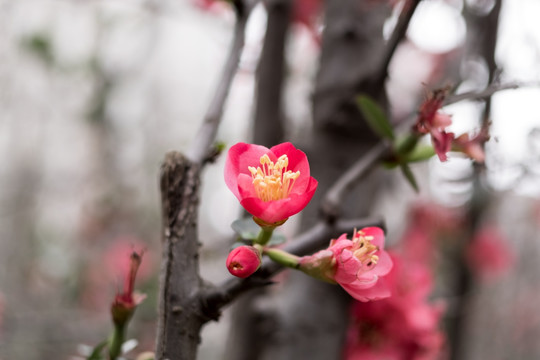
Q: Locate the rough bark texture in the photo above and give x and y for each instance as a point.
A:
(180, 318)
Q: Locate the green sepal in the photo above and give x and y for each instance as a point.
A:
(97, 352)
(421, 153)
(247, 229)
(375, 117)
(406, 170)
(405, 144)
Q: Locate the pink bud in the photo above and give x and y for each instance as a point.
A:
(243, 261)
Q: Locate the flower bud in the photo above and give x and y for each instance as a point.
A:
(243, 261)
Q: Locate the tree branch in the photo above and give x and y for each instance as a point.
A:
(488, 91)
(330, 205)
(179, 321)
(201, 148)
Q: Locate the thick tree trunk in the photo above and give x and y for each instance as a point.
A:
(180, 318)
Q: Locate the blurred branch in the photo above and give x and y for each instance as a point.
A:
(409, 7)
(488, 91)
(482, 33)
(334, 196)
(312, 240)
(268, 120)
(201, 147)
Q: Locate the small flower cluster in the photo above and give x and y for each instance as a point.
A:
(274, 184)
(431, 120)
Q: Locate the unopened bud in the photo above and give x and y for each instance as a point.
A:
(243, 261)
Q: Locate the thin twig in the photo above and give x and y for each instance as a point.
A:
(487, 92)
(201, 146)
(334, 196)
(409, 7)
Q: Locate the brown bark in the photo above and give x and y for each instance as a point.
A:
(180, 318)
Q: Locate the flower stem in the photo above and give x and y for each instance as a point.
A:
(264, 236)
(282, 257)
(116, 341)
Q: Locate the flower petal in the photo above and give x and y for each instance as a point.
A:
(297, 162)
(384, 264)
(239, 157)
(274, 211)
(377, 233)
(358, 291)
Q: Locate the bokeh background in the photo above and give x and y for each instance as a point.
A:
(94, 93)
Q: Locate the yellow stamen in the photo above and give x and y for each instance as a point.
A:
(363, 250)
(272, 181)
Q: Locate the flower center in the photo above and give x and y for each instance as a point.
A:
(364, 250)
(272, 181)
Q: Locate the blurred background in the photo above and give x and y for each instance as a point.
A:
(94, 93)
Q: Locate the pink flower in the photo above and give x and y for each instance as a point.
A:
(243, 261)
(358, 265)
(432, 121)
(403, 326)
(488, 254)
(271, 184)
(472, 146)
(125, 302)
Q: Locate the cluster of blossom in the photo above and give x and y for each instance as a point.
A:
(431, 120)
(274, 184)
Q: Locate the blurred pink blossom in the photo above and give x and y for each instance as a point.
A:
(404, 326)
(488, 254)
(472, 146)
(432, 121)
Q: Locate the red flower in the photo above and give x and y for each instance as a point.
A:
(358, 265)
(432, 121)
(271, 184)
(243, 261)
